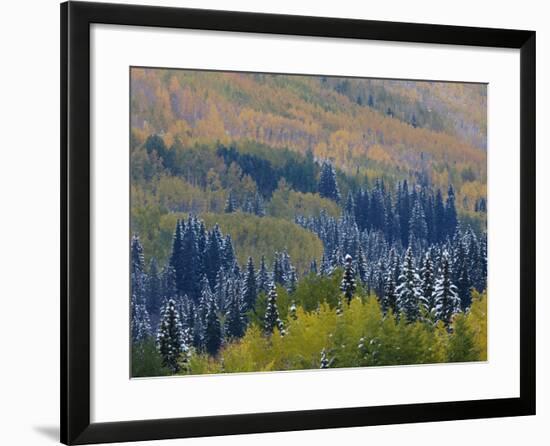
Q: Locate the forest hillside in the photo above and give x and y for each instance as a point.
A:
(284, 222)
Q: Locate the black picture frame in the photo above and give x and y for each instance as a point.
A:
(76, 18)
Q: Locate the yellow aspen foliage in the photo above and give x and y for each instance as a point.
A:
(357, 334)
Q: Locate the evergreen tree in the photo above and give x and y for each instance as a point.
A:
(286, 265)
(250, 287)
(427, 285)
(474, 260)
(461, 265)
(404, 210)
(482, 265)
(198, 326)
(230, 204)
(212, 329)
(206, 292)
(186, 310)
(408, 292)
(213, 255)
(220, 289)
(235, 323)
(464, 289)
(430, 218)
(389, 297)
(258, 205)
(137, 271)
(292, 280)
(263, 277)
(154, 288)
(326, 267)
(176, 257)
(138, 263)
(202, 241)
(362, 271)
(168, 283)
(377, 207)
(185, 258)
(447, 302)
(379, 278)
(418, 229)
(328, 186)
(140, 322)
(278, 270)
(393, 265)
(271, 318)
(348, 285)
(362, 209)
(350, 206)
(228, 258)
(451, 219)
(170, 336)
(336, 259)
(440, 230)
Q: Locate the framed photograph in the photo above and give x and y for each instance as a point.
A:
(275, 223)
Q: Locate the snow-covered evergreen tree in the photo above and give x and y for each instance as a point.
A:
(328, 186)
(186, 310)
(287, 266)
(348, 285)
(176, 256)
(137, 271)
(427, 282)
(250, 291)
(235, 322)
(206, 292)
(292, 280)
(140, 322)
(263, 277)
(229, 259)
(447, 302)
(362, 270)
(409, 296)
(170, 337)
(271, 318)
(461, 266)
(220, 289)
(186, 259)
